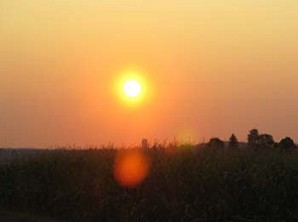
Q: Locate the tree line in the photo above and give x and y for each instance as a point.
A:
(256, 141)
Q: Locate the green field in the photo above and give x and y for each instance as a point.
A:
(185, 183)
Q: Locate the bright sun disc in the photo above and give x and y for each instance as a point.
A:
(132, 88)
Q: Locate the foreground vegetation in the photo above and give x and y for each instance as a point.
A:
(185, 183)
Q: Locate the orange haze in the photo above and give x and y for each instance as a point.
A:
(211, 68)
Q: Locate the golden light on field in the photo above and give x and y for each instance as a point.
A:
(132, 88)
(131, 168)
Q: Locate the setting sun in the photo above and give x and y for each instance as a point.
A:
(132, 88)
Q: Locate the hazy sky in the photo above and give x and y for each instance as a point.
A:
(212, 67)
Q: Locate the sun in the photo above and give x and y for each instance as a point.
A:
(132, 88)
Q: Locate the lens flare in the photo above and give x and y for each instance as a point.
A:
(131, 168)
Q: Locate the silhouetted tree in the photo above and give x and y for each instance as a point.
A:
(252, 137)
(265, 141)
(286, 144)
(233, 142)
(216, 143)
(259, 141)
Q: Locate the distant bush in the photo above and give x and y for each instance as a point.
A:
(216, 143)
(287, 144)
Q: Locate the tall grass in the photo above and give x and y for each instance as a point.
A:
(184, 184)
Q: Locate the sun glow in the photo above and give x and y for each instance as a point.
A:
(132, 88)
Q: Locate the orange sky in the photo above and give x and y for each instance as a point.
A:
(212, 67)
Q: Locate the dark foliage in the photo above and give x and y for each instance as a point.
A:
(216, 143)
(286, 144)
(233, 142)
(235, 185)
(252, 137)
(260, 141)
(265, 141)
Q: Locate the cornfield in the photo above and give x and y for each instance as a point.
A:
(184, 183)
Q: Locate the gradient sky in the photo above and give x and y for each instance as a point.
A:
(212, 67)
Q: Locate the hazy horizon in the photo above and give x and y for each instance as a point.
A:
(211, 68)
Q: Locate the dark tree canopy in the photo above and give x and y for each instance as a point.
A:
(216, 143)
(265, 141)
(286, 144)
(233, 142)
(253, 137)
(259, 141)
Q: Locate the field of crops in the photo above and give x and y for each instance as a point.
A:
(183, 183)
